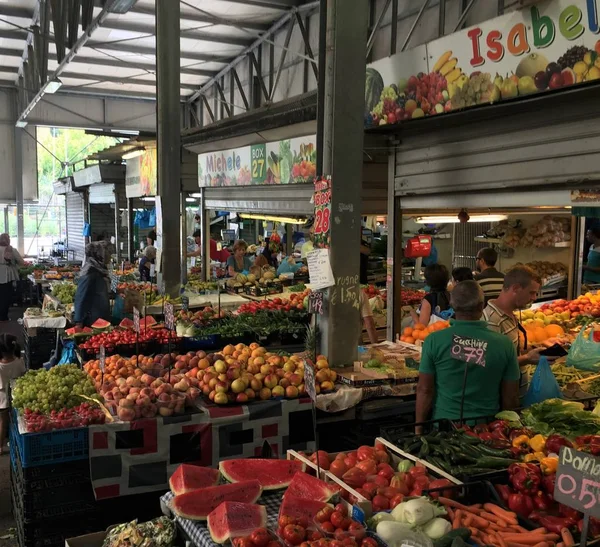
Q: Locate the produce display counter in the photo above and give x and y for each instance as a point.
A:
(135, 457)
(227, 302)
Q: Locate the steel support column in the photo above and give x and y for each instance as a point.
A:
(130, 249)
(344, 54)
(169, 140)
(19, 189)
(205, 229)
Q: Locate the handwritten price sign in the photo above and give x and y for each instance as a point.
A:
(315, 302)
(169, 316)
(185, 303)
(309, 380)
(578, 481)
(469, 350)
(136, 319)
(114, 283)
(102, 358)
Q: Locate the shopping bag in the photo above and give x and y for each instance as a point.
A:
(152, 218)
(543, 385)
(68, 353)
(584, 353)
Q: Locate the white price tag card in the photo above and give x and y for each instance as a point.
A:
(136, 319)
(309, 380)
(319, 269)
(102, 358)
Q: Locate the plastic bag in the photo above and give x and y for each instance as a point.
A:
(68, 353)
(584, 353)
(543, 385)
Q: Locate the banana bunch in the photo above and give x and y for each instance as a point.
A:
(273, 163)
(447, 66)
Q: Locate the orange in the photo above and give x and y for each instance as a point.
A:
(419, 326)
(554, 330)
(409, 340)
(407, 331)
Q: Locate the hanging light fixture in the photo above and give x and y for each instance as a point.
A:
(447, 219)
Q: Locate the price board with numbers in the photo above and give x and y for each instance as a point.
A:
(102, 358)
(309, 380)
(258, 163)
(185, 303)
(114, 282)
(136, 319)
(578, 481)
(322, 225)
(315, 302)
(169, 316)
(470, 350)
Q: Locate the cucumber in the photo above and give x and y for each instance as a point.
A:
(463, 533)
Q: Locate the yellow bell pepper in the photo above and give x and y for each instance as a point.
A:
(537, 443)
(549, 465)
(522, 441)
(530, 458)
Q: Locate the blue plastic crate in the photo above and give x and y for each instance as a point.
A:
(210, 341)
(53, 447)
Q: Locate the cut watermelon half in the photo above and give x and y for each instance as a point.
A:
(126, 323)
(147, 322)
(272, 474)
(192, 477)
(299, 507)
(308, 487)
(233, 519)
(100, 324)
(197, 504)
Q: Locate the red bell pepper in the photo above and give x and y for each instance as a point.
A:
(522, 504)
(548, 482)
(499, 434)
(486, 436)
(554, 442)
(569, 512)
(542, 502)
(525, 477)
(480, 428)
(593, 529)
(518, 432)
(553, 524)
(504, 491)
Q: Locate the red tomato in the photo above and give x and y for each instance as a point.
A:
(328, 527)
(416, 471)
(341, 508)
(337, 518)
(284, 520)
(357, 530)
(260, 537)
(368, 542)
(368, 465)
(440, 483)
(294, 534)
(380, 503)
(365, 452)
(324, 514)
(396, 500)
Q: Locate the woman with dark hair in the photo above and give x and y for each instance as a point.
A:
(438, 298)
(91, 298)
(11, 367)
(461, 273)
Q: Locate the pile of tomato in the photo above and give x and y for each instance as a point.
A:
(121, 337)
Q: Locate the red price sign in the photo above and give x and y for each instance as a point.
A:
(469, 350)
(578, 481)
(322, 200)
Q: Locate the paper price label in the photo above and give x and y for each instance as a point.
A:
(152, 270)
(114, 283)
(136, 319)
(169, 316)
(185, 303)
(578, 481)
(469, 350)
(102, 358)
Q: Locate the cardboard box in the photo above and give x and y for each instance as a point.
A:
(89, 540)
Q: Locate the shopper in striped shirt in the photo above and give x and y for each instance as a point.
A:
(489, 278)
(520, 289)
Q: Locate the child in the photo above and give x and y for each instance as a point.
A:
(11, 367)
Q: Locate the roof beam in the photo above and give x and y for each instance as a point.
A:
(199, 17)
(185, 33)
(143, 50)
(116, 80)
(80, 43)
(15, 11)
(269, 4)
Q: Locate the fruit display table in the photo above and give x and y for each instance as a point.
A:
(228, 302)
(197, 531)
(136, 457)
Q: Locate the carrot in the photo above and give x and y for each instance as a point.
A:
(456, 523)
(541, 530)
(542, 544)
(480, 522)
(567, 537)
(498, 511)
(530, 539)
(468, 521)
(475, 507)
(454, 504)
(474, 531)
(500, 541)
(513, 544)
(522, 530)
(561, 544)
(450, 512)
(496, 520)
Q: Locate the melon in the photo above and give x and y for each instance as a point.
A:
(231, 519)
(192, 477)
(272, 474)
(197, 504)
(301, 507)
(308, 487)
(373, 88)
(100, 324)
(126, 323)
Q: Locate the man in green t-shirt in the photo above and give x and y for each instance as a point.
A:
(492, 380)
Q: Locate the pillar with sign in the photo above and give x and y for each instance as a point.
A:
(344, 53)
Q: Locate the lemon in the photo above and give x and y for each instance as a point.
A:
(587, 58)
(593, 74)
(580, 67)
(578, 78)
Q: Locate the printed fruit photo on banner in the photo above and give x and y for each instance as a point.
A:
(544, 47)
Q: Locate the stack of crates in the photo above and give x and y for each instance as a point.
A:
(38, 345)
(51, 491)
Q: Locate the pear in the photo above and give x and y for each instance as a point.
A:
(509, 89)
(526, 85)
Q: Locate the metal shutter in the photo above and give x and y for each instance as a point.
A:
(102, 193)
(75, 205)
(102, 220)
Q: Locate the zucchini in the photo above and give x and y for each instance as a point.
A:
(446, 541)
(491, 462)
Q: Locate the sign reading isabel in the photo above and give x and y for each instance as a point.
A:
(544, 47)
(292, 161)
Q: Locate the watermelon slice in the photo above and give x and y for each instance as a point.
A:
(299, 507)
(147, 322)
(308, 487)
(232, 519)
(126, 323)
(272, 474)
(192, 477)
(100, 324)
(197, 504)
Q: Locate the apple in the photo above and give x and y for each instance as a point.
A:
(291, 392)
(250, 393)
(265, 393)
(241, 398)
(278, 391)
(221, 398)
(220, 366)
(238, 386)
(165, 411)
(126, 414)
(271, 381)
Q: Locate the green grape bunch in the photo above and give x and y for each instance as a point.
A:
(64, 292)
(60, 387)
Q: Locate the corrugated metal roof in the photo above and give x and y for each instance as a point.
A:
(119, 57)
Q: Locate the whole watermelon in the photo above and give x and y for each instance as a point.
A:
(373, 89)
